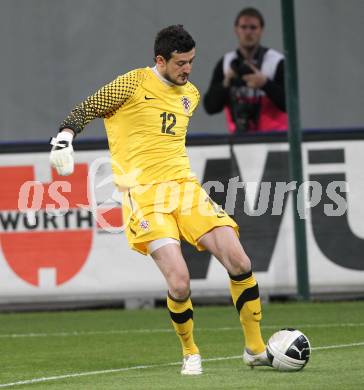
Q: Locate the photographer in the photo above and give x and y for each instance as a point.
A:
(248, 83)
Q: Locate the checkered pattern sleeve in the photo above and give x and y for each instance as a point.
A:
(104, 103)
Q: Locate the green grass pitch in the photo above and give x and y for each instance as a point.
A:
(120, 349)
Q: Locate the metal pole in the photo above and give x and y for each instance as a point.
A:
(294, 137)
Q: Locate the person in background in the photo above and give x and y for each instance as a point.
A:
(248, 83)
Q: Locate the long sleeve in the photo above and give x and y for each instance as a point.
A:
(103, 103)
(275, 88)
(217, 95)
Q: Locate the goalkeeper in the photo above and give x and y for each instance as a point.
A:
(146, 113)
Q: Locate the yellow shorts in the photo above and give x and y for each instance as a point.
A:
(178, 209)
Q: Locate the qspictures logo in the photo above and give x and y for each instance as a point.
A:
(47, 229)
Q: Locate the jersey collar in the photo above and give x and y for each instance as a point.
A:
(161, 78)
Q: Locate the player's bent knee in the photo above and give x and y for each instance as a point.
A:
(180, 289)
(240, 265)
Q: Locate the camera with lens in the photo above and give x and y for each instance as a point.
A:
(244, 103)
(240, 69)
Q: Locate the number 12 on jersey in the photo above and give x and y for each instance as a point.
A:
(168, 122)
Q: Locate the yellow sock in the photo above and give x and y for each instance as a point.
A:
(245, 293)
(181, 313)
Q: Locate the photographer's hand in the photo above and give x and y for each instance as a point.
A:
(255, 80)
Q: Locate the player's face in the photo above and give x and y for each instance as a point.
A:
(178, 68)
(249, 32)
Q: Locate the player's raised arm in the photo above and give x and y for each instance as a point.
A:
(104, 103)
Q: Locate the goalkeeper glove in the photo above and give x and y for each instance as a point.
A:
(61, 157)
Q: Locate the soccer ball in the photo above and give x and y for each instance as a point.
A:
(288, 350)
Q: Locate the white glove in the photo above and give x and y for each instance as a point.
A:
(61, 157)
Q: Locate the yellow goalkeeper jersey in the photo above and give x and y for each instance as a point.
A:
(146, 122)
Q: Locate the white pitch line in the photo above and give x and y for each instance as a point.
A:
(147, 366)
(130, 331)
(338, 346)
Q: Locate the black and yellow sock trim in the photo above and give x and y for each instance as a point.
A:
(250, 294)
(245, 294)
(181, 318)
(241, 277)
(181, 313)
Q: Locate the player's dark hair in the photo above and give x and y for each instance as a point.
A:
(252, 12)
(173, 39)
